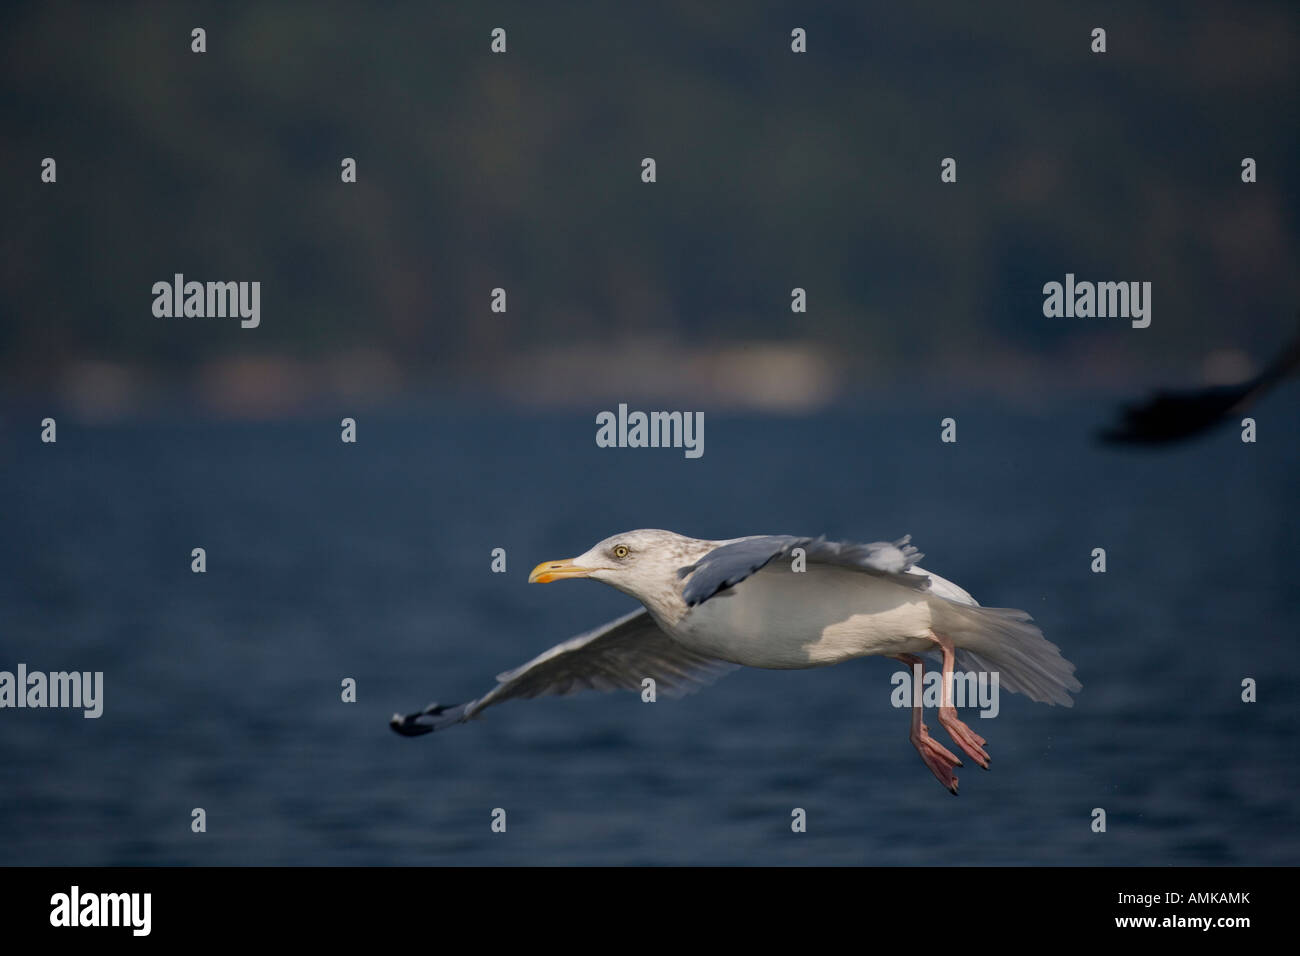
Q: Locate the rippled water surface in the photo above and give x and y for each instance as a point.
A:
(371, 561)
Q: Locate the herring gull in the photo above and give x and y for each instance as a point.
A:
(712, 606)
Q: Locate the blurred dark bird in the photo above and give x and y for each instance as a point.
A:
(1171, 416)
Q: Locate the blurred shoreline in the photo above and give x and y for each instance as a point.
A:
(757, 376)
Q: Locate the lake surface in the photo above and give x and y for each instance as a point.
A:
(372, 561)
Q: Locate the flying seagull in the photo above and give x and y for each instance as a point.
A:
(1171, 416)
(711, 606)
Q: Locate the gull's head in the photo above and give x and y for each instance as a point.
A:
(641, 563)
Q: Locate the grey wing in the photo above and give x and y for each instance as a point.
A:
(728, 565)
(616, 656)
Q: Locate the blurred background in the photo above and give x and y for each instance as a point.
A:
(476, 429)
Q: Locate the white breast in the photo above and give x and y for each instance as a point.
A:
(779, 618)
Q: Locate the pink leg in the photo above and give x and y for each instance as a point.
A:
(966, 738)
(937, 757)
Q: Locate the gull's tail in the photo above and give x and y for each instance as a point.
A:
(1006, 640)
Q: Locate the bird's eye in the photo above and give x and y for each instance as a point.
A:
(620, 551)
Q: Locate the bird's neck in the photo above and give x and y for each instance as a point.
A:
(665, 604)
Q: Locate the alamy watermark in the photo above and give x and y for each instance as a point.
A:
(76, 908)
(651, 430)
(1102, 300)
(968, 689)
(200, 300)
(84, 690)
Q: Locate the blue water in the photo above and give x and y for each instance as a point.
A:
(372, 561)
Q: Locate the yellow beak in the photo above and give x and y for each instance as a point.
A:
(549, 571)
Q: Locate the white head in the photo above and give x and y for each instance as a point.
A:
(640, 563)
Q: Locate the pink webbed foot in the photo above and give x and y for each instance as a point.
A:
(969, 741)
(937, 757)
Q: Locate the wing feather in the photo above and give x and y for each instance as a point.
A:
(728, 565)
(616, 656)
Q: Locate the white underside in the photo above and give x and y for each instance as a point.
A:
(781, 619)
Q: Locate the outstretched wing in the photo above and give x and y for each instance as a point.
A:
(617, 656)
(730, 564)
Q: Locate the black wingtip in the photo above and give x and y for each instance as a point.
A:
(405, 724)
(409, 725)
